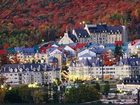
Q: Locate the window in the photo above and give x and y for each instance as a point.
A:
(112, 68)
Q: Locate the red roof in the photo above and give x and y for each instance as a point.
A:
(135, 42)
(73, 47)
(3, 52)
(118, 43)
(80, 45)
(43, 50)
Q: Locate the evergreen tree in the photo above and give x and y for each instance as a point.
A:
(118, 52)
(97, 86)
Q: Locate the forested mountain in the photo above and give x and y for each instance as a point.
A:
(21, 21)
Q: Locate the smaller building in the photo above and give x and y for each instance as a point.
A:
(86, 54)
(129, 84)
(68, 38)
(134, 48)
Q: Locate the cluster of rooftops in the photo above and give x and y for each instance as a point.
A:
(38, 67)
(80, 32)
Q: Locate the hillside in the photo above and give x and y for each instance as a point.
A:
(21, 21)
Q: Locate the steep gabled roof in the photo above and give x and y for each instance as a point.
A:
(72, 37)
(3, 52)
(87, 55)
(55, 50)
(98, 50)
(81, 33)
(80, 45)
(69, 48)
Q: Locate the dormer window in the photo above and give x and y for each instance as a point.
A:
(11, 70)
(16, 70)
(38, 69)
(20, 69)
(34, 69)
(27, 69)
(4, 69)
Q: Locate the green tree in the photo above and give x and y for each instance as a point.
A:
(38, 96)
(118, 52)
(97, 86)
(106, 88)
(26, 94)
(12, 96)
(82, 93)
(56, 92)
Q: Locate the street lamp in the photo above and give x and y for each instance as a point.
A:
(33, 85)
(83, 22)
(2, 86)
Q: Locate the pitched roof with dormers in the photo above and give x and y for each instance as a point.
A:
(72, 37)
(82, 33)
(105, 28)
(12, 68)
